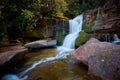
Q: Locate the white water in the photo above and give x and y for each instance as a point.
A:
(116, 39)
(64, 51)
(75, 26)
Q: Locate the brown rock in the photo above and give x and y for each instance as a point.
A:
(90, 48)
(111, 17)
(102, 58)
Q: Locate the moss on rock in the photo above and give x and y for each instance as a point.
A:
(59, 37)
(82, 38)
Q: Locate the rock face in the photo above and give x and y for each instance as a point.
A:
(51, 26)
(48, 28)
(111, 14)
(40, 44)
(102, 58)
(98, 22)
(109, 17)
(89, 19)
(103, 22)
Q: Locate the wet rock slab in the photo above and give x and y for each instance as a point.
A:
(40, 44)
(102, 58)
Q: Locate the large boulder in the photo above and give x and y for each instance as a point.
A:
(106, 65)
(40, 44)
(102, 58)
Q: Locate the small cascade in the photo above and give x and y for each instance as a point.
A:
(75, 26)
(116, 39)
(69, 41)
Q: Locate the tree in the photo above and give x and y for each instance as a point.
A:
(53, 7)
(76, 7)
(19, 16)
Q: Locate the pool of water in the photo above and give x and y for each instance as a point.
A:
(59, 69)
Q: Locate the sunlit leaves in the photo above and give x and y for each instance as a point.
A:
(53, 7)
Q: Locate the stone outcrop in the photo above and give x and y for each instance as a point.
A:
(40, 44)
(111, 14)
(103, 22)
(10, 56)
(89, 19)
(111, 18)
(48, 28)
(102, 58)
(106, 65)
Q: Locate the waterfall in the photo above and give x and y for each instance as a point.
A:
(75, 26)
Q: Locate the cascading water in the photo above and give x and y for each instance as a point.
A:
(68, 45)
(75, 26)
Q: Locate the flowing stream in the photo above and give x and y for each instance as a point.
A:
(68, 44)
(75, 26)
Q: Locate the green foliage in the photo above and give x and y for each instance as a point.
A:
(59, 37)
(27, 20)
(76, 7)
(53, 7)
(87, 27)
(3, 37)
(19, 16)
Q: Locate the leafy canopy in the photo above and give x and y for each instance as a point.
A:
(19, 16)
